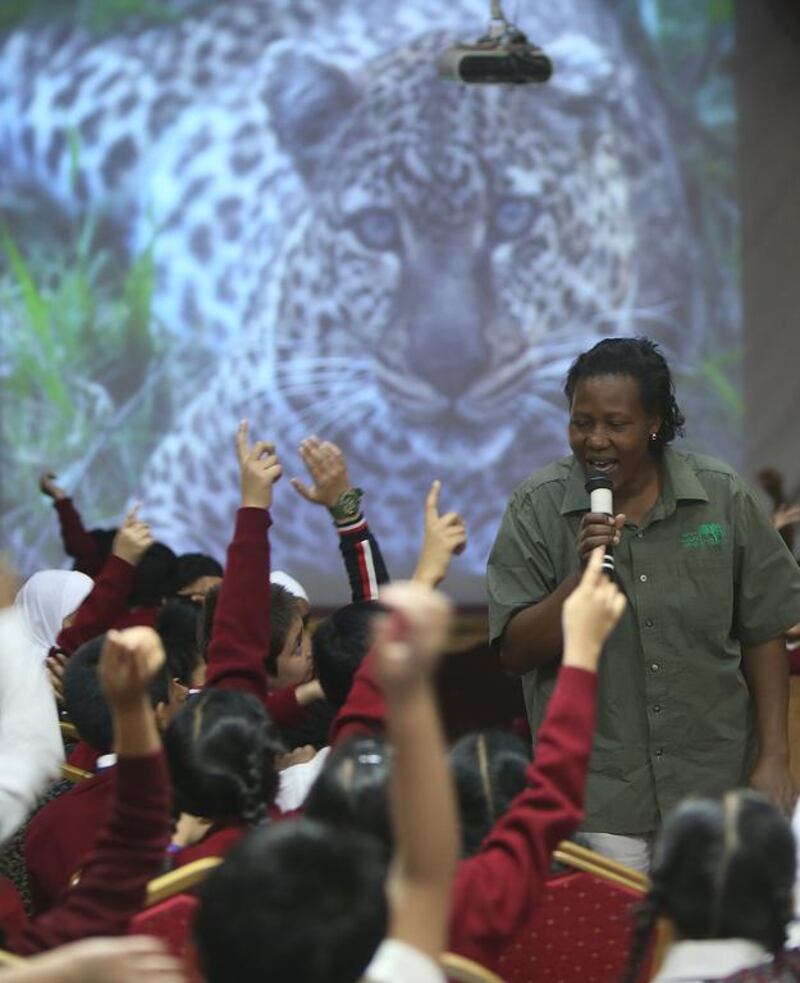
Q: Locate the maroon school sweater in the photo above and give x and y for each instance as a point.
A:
(128, 852)
(106, 606)
(239, 644)
(78, 543)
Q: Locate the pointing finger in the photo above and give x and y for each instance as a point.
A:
(432, 500)
(241, 440)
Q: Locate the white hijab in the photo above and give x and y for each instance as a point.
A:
(45, 600)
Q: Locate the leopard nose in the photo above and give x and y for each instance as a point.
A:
(451, 366)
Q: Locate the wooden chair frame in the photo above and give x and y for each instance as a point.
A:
(71, 773)
(582, 858)
(465, 970)
(69, 731)
(179, 881)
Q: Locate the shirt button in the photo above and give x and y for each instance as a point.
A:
(643, 577)
(657, 708)
(648, 623)
(655, 667)
(639, 535)
(658, 752)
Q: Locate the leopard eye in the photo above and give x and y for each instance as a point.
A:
(377, 228)
(512, 217)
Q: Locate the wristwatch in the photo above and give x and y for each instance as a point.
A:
(348, 505)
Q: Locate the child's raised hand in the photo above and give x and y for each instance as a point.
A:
(445, 537)
(409, 641)
(590, 613)
(133, 538)
(328, 469)
(129, 662)
(259, 469)
(48, 486)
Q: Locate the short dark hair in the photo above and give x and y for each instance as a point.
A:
(221, 747)
(722, 868)
(293, 901)
(178, 626)
(352, 790)
(84, 700)
(642, 360)
(192, 566)
(339, 645)
(489, 770)
(155, 577)
(283, 611)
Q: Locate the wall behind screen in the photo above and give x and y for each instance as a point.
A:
(769, 91)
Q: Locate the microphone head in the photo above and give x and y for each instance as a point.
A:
(597, 481)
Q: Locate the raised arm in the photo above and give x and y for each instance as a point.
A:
(445, 537)
(409, 644)
(129, 850)
(108, 599)
(494, 889)
(78, 543)
(331, 488)
(240, 636)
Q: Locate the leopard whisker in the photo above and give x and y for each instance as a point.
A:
(335, 420)
(319, 415)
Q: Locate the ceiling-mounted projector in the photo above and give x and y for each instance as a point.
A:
(504, 56)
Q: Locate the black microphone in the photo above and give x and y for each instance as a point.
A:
(601, 500)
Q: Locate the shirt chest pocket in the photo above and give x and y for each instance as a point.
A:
(705, 590)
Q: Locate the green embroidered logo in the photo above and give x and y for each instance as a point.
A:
(708, 534)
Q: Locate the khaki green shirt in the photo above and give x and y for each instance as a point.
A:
(705, 574)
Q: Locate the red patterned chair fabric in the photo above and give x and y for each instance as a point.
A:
(579, 933)
(169, 920)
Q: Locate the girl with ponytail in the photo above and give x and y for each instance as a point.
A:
(221, 748)
(723, 875)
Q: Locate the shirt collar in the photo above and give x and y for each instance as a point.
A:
(708, 959)
(680, 484)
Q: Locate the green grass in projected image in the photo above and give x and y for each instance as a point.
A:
(75, 322)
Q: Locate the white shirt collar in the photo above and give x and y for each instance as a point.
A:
(709, 959)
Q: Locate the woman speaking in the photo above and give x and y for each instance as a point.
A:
(693, 691)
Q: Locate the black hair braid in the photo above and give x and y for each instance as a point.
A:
(645, 917)
(253, 798)
(780, 906)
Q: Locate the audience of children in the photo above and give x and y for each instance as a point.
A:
(362, 861)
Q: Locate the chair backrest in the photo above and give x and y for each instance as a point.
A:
(459, 969)
(170, 920)
(71, 773)
(581, 929)
(69, 731)
(180, 880)
(170, 908)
